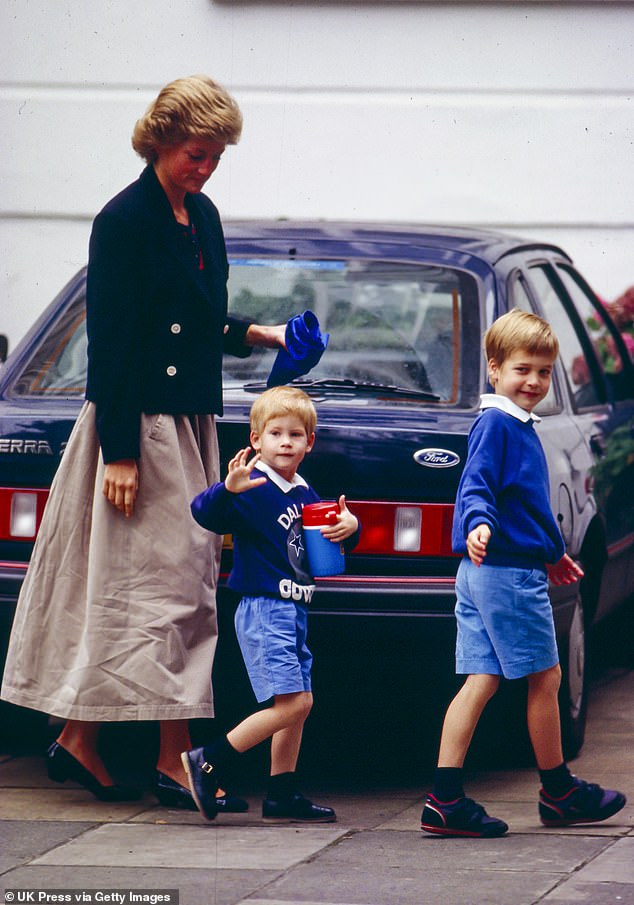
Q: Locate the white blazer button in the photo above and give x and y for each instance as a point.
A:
(175, 328)
(171, 371)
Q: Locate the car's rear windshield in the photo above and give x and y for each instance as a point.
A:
(391, 324)
(402, 325)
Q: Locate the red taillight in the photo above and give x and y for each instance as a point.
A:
(404, 529)
(21, 510)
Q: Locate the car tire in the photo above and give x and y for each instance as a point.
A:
(573, 694)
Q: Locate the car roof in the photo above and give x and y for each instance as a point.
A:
(489, 245)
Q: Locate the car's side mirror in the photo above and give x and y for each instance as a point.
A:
(4, 347)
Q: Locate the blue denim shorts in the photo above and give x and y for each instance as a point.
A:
(505, 621)
(272, 638)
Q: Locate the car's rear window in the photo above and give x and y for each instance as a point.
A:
(393, 324)
(397, 325)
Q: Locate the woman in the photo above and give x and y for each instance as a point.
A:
(116, 619)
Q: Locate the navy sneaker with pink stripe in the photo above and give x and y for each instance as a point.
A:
(584, 803)
(462, 817)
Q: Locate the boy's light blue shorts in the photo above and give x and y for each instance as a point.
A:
(505, 621)
(272, 638)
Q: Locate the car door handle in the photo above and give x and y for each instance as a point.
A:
(598, 444)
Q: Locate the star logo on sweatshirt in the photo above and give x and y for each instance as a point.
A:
(295, 541)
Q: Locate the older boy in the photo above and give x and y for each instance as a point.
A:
(504, 525)
(260, 503)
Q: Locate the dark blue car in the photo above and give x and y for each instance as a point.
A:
(396, 393)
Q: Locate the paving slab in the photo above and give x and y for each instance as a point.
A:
(253, 901)
(615, 863)
(606, 879)
(72, 805)
(388, 868)
(209, 846)
(576, 892)
(516, 853)
(354, 885)
(196, 887)
(24, 839)
(429, 887)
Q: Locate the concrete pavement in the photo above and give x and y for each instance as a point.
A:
(57, 837)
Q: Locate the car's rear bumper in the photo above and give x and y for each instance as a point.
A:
(385, 595)
(11, 578)
(346, 596)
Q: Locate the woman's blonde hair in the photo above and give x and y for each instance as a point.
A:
(519, 330)
(280, 401)
(191, 107)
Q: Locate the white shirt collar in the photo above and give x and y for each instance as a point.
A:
(284, 485)
(493, 401)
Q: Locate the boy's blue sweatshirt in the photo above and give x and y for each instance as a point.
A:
(269, 553)
(505, 485)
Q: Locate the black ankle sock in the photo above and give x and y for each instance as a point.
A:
(220, 753)
(556, 782)
(448, 784)
(281, 786)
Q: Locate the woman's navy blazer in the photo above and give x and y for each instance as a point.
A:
(157, 326)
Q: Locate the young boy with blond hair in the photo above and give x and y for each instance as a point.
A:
(260, 503)
(511, 544)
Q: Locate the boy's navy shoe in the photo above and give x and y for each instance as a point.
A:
(230, 804)
(172, 795)
(297, 808)
(462, 817)
(584, 803)
(202, 781)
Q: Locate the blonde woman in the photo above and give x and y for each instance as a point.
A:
(116, 619)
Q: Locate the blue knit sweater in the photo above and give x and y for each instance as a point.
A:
(505, 485)
(269, 552)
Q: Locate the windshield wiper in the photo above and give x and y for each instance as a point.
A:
(346, 384)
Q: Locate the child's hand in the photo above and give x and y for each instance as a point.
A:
(566, 571)
(345, 525)
(477, 541)
(239, 475)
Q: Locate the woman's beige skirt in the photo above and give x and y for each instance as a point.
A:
(117, 617)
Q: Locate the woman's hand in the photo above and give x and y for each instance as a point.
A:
(239, 475)
(121, 485)
(271, 337)
(346, 524)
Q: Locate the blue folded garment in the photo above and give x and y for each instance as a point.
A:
(305, 344)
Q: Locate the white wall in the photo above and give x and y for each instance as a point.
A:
(508, 115)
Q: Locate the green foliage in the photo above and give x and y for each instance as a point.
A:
(618, 457)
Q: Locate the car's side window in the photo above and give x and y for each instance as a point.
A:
(580, 365)
(58, 365)
(603, 335)
(519, 297)
(518, 293)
